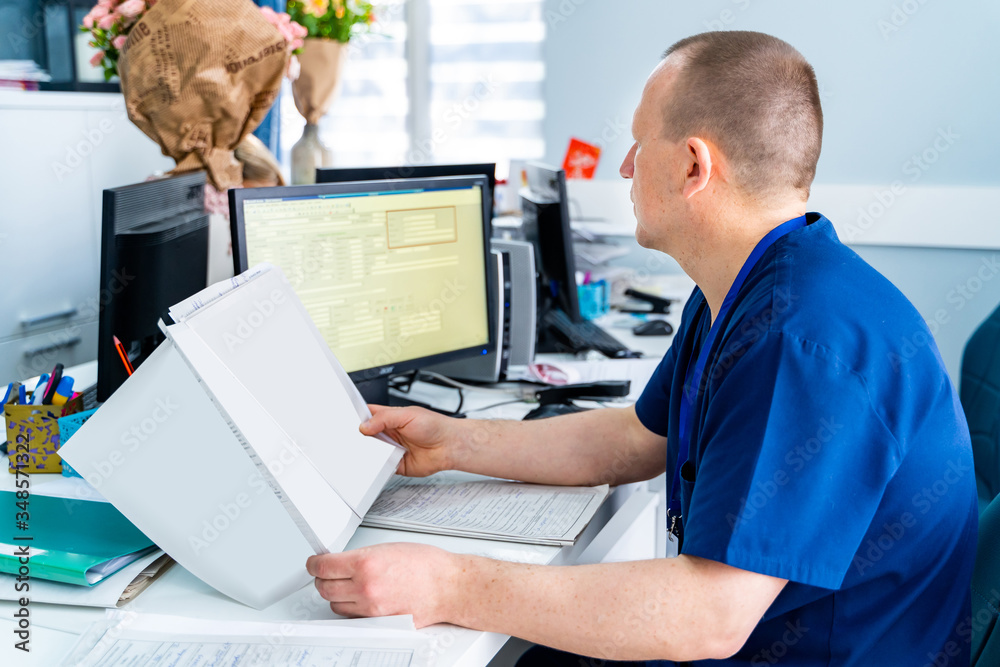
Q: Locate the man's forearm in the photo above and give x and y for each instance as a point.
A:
(606, 446)
(677, 609)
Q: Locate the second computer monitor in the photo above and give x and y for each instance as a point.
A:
(393, 273)
(546, 225)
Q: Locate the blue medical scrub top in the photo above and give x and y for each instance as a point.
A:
(828, 448)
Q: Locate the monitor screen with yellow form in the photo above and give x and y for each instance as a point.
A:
(393, 273)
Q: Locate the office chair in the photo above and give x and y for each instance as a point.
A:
(980, 396)
(986, 589)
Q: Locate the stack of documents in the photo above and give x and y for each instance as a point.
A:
(472, 506)
(22, 70)
(235, 445)
(72, 541)
(127, 639)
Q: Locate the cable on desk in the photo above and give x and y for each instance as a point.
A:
(405, 383)
(490, 407)
(444, 379)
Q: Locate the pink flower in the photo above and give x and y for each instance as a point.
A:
(96, 59)
(119, 41)
(88, 22)
(291, 31)
(105, 22)
(98, 11)
(106, 5)
(132, 8)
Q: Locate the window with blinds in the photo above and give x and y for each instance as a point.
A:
(445, 81)
(486, 77)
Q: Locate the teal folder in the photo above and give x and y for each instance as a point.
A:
(73, 541)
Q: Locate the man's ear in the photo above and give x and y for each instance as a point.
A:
(699, 167)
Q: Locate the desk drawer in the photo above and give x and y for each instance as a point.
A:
(29, 356)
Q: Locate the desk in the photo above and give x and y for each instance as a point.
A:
(624, 528)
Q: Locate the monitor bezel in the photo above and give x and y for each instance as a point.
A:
(238, 230)
(410, 172)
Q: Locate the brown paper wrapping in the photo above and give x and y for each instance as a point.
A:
(198, 76)
(322, 61)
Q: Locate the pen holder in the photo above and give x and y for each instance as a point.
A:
(67, 427)
(593, 298)
(36, 428)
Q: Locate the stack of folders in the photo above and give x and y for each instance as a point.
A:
(472, 506)
(70, 546)
(235, 445)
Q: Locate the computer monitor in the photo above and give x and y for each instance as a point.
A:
(546, 225)
(393, 273)
(154, 253)
(344, 175)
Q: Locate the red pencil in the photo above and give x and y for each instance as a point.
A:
(121, 353)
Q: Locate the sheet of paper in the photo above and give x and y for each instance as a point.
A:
(105, 594)
(268, 342)
(322, 516)
(180, 311)
(165, 457)
(125, 639)
(57, 486)
(487, 508)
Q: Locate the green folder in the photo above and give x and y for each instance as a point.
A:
(72, 541)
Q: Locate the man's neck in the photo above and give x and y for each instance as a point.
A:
(715, 265)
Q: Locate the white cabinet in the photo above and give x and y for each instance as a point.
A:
(59, 152)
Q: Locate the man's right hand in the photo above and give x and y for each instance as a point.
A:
(428, 437)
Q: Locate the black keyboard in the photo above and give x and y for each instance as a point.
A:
(581, 336)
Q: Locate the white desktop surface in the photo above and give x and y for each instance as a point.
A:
(630, 516)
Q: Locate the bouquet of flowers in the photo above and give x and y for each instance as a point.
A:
(331, 19)
(110, 21)
(197, 76)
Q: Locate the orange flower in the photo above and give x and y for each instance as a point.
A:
(316, 7)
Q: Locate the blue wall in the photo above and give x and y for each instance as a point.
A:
(890, 82)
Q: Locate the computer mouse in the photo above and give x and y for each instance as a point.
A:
(653, 328)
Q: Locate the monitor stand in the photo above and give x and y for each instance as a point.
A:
(376, 391)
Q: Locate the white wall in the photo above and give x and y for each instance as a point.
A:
(885, 97)
(910, 100)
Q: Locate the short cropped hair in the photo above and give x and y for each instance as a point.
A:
(756, 97)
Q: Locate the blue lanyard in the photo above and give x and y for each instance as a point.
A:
(692, 383)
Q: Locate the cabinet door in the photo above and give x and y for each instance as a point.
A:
(28, 356)
(49, 241)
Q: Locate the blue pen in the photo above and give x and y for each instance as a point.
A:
(39, 392)
(22, 395)
(6, 396)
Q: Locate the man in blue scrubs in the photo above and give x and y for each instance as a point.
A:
(819, 465)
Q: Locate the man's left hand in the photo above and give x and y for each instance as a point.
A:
(386, 580)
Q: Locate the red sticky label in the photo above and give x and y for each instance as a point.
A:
(581, 159)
